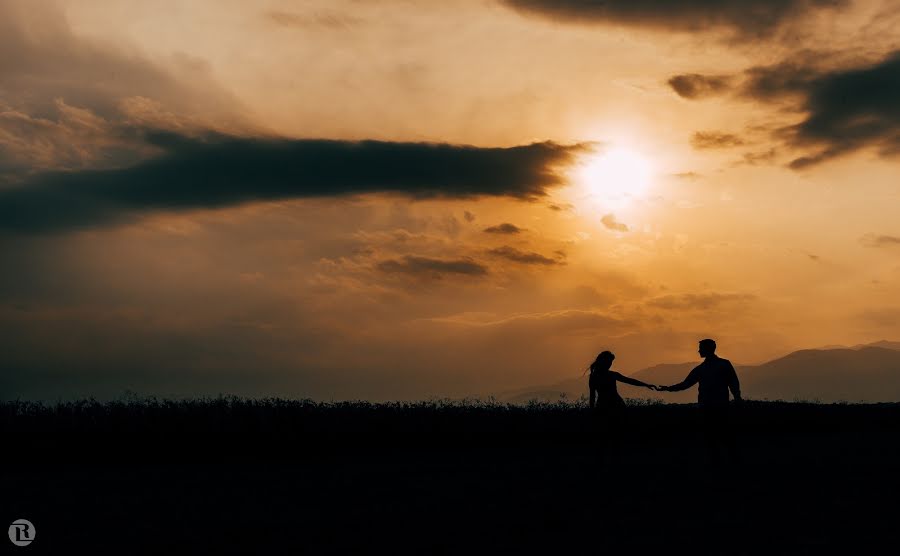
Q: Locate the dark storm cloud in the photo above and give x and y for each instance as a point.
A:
(846, 108)
(217, 170)
(794, 76)
(744, 19)
(523, 257)
(611, 223)
(715, 140)
(504, 228)
(694, 85)
(426, 267)
(851, 109)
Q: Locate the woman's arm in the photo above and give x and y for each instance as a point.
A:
(593, 397)
(632, 381)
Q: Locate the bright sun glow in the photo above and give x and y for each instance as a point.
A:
(617, 174)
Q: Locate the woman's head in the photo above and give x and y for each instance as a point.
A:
(603, 361)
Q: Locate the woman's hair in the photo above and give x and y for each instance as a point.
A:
(604, 357)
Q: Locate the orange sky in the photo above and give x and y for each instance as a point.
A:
(711, 172)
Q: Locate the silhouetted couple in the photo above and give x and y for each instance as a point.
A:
(716, 376)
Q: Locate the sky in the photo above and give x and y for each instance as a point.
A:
(397, 199)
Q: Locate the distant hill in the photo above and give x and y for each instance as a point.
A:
(867, 372)
(570, 389)
(667, 373)
(886, 344)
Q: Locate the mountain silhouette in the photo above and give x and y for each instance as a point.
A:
(887, 344)
(863, 373)
(870, 374)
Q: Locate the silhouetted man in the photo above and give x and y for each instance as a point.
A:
(716, 376)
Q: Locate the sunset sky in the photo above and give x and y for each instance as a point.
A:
(394, 199)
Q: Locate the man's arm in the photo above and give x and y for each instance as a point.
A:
(692, 378)
(628, 380)
(733, 383)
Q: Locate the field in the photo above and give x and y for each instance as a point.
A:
(255, 476)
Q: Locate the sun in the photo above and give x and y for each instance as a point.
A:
(617, 174)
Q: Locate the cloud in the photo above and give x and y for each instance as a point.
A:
(759, 157)
(743, 19)
(216, 170)
(505, 228)
(880, 317)
(70, 139)
(611, 223)
(715, 140)
(318, 19)
(880, 240)
(561, 207)
(792, 77)
(425, 267)
(850, 109)
(701, 301)
(694, 86)
(42, 60)
(523, 257)
(565, 321)
(846, 106)
(69, 103)
(468, 216)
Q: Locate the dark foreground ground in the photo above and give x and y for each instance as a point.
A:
(289, 477)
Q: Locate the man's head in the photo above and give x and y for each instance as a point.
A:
(707, 347)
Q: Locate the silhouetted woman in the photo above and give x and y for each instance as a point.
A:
(605, 397)
(607, 405)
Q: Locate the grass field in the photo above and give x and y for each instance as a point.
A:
(252, 476)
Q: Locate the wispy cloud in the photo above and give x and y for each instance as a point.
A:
(880, 240)
(696, 86)
(612, 223)
(523, 257)
(715, 140)
(698, 301)
(431, 267)
(742, 19)
(847, 106)
(320, 18)
(504, 228)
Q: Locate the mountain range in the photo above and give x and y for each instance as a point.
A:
(860, 373)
